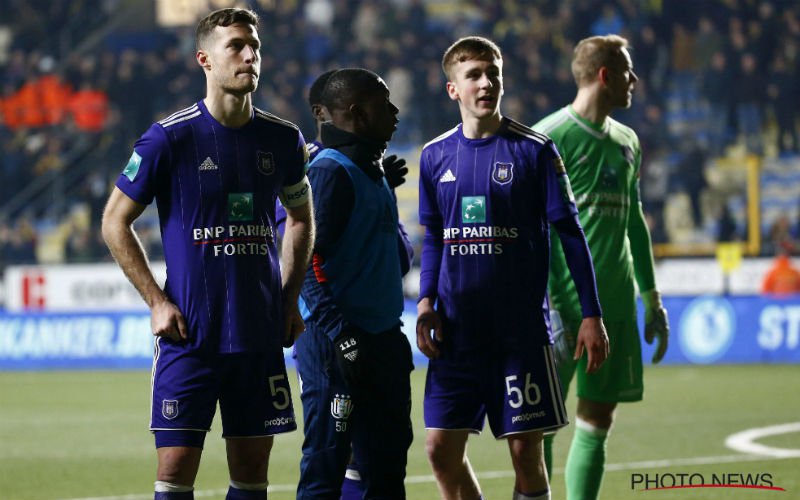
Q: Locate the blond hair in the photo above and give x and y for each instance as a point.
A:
(469, 48)
(593, 53)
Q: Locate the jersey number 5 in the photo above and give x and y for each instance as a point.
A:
(531, 393)
(279, 393)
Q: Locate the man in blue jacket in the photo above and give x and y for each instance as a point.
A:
(353, 360)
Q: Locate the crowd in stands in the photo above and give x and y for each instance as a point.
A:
(81, 80)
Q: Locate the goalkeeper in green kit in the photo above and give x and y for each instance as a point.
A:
(602, 159)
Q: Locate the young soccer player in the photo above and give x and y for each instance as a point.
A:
(354, 361)
(488, 189)
(602, 158)
(214, 170)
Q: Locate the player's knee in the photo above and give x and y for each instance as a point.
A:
(596, 414)
(442, 457)
(526, 451)
(177, 465)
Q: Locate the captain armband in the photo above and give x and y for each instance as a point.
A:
(296, 194)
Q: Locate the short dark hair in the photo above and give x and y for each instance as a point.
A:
(350, 85)
(223, 17)
(469, 48)
(315, 92)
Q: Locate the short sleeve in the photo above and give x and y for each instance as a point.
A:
(139, 179)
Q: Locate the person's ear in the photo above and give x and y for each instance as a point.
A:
(202, 59)
(602, 75)
(452, 91)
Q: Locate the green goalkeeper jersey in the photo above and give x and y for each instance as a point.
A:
(602, 163)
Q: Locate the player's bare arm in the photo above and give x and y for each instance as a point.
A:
(429, 328)
(593, 338)
(120, 213)
(296, 248)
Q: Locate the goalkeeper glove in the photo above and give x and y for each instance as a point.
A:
(656, 323)
(563, 340)
(395, 170)
(350, 357)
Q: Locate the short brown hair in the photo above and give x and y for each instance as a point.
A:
(469, 48)
(593, 53)
(223, 17)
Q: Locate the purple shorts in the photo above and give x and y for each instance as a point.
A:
(252, 390)
(518, 391)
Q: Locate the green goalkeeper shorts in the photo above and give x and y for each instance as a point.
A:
(620, 378)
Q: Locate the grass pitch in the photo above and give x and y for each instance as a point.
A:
(83, 435)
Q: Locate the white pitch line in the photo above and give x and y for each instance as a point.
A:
(745, 441)
(500, 474)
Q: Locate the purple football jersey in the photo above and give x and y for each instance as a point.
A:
(492, 199)
(215, 188)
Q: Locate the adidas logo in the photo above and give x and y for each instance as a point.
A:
(351, 356)
(447, 177)
(208, 164)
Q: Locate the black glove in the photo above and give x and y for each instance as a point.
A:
(395, 170)
(350, 357)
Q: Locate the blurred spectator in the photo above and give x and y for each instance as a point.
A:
(783, 278)
(780, 239)
(750, 100)
(782, 92)
(718, 91)
(727, 230)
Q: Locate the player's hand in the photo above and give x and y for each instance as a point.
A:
(656, 323)
(350, 356)
(429, 328)
(166, 321)
(293, 324)
(395, 170)
(592, 337)
(564, 341)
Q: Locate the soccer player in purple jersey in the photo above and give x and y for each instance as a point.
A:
(227, 308)
(488, 189)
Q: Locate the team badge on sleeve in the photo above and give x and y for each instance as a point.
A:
(503, 173)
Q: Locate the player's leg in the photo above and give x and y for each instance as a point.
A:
(248, 466)
(255, 404)
(618, 380)
(327, 408)
(176, 472)
(587, 454)
(525, 402)
(184, 395)
(527, 457)
(566, 371)
(454, 408)
(447, 454)
(382, 433)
